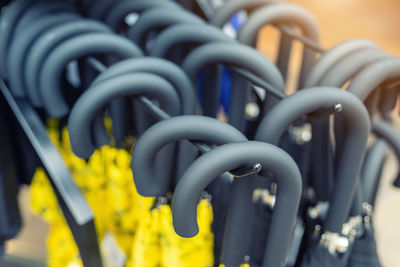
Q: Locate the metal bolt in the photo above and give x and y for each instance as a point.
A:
(338, 107)
(257, 167)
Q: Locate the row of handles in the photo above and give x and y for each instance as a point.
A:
(37, 52)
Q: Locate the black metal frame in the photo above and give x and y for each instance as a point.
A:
(74, 206)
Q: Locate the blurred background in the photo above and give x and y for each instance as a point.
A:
(378, 21)
(339, 20)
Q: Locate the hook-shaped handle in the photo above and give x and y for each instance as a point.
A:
(236, 55)
(230, 8)
(186, 34)
(179, 128)
(45, 44)
(230, 156)
(194, 34)
(97, 97)
(348, 67)
(210, 131)
(332, 56)
(117, 13)
(39, 10)
(351, 57)
(8, 21)
(356, 117)
(282, 13)
(21, 44)
(369, 79)
(157, 18)
(165, 69)
(373, 75)
(77, 47)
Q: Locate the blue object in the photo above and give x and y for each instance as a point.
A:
(226, 80)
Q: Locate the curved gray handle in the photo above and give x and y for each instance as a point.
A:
(373, 75)
(371, 171)
(348, 63)
(386, 131)
(157, 18)
(225, 12)
(115, 16)
(21, 44)
(96, 98)
(194, 34)
(43, 47)
(236, 55)
(171, 130)
(230, 8)
(160, 67)
(183, 33)
(348, 66)
(166, 69)
(77, 47)
(282, 13)
(331, 57)
(195, 128)
(230, 156)
(39, 10)
(8, 21)
(367, 81)
(357, 122)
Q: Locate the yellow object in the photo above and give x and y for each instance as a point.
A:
(62, 250)
(142, 226)
(241, 265)
(196, 251)
(146, 249)
(61, 246)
